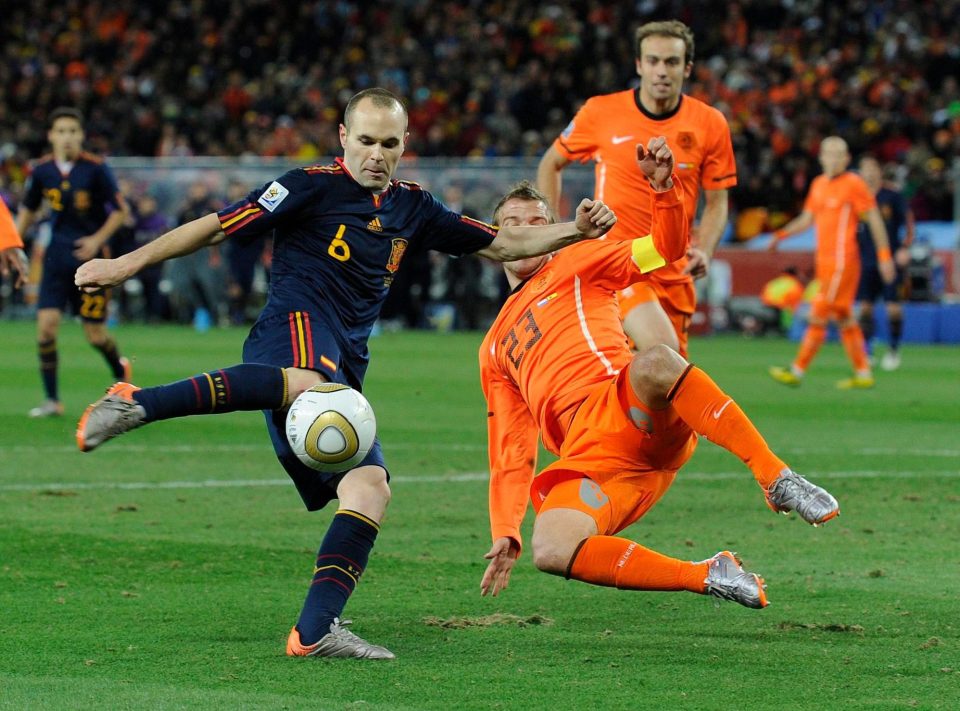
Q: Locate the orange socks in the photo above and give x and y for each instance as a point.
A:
(711, 412)
(813, 338)
(619, 563)
(856, 348)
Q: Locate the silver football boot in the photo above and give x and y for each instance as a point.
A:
(338, 642)
(112, 415)
(728, 581)
(791, 492)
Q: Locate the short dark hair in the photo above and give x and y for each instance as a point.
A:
(64, 112)
(524, 190)
(380, 97)
(667, 28)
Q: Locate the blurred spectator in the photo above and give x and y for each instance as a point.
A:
(197, 280)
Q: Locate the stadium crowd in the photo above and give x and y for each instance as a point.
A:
(210, 77)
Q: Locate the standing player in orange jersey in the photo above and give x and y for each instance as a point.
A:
(835, 203)
(555, 364)
(606, 129)
(13, 260)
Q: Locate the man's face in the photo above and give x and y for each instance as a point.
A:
(662, 67)
(514, 213)
(871, 173)
(373, 144)
(66, 137)
(834, 156)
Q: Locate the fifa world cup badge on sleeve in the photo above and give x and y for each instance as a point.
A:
(273, 196)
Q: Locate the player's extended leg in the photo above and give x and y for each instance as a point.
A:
(248, 386)
(645, 321)
(364, 494)
(891, 359)
(567, 540)
(813, 338)
(48, 325)
(856, 349)
(99, 338)
(661, 377)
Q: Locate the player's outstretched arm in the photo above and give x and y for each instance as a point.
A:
(593, 220)
(799, 223)
(549, 176)
(878, 233)
(102, 273)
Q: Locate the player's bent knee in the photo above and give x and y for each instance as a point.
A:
(654, 371)
(551, 556)
(299, 380)
(366, 490)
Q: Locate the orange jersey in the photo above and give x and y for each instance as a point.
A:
(607, 130)
(557, 336)
(836, 205)
(9, 237)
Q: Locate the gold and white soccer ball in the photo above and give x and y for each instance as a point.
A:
(331, 427)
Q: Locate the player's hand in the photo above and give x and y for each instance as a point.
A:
(100, 274)
(14, 259)
(698, 264)
(594, 219)
(773, 244)
(902, 257)
(888, 272)
(497, 575)
(86, 248)
(656, 162)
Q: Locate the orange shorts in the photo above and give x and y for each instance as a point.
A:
(837, 293)
(616, 441)
(678, 299)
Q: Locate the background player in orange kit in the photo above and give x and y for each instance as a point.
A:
(837, 200)
(555, 363)
(606, 129)
(13, 260)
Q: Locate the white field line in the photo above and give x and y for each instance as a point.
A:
(436, 479)
(439, 446)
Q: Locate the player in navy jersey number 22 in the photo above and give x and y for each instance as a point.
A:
(340, 232)
(86, 208)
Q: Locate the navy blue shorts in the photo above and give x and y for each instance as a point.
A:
(299, 341)
(57, 290)
(871, 286)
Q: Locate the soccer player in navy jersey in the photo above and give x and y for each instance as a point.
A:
(896, 214)
(340, 232)
(86, 209)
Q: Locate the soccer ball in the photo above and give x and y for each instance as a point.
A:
(331, 427)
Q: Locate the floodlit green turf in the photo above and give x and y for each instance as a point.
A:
(145, 575)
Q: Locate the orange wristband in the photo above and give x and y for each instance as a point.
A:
(883, 254)
(780, 234)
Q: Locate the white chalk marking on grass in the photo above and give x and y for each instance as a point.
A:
(432, 479)
(158, 449)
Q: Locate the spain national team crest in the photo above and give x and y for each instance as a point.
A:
(686, 140)
(396, 254)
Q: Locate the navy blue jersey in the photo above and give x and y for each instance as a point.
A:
(337, 246)
(893, 209)
(80, 200)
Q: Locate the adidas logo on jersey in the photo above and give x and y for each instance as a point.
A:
(375, 225)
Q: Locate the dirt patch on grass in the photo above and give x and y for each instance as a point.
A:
(459, 623)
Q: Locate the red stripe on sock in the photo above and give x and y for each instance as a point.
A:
(196, 391)
(337, 555)
(338, 582)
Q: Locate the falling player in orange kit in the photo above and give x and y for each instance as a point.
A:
(837, 200)
(606, 129)
(556, 363)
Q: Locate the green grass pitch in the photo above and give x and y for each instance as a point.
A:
(165, 570)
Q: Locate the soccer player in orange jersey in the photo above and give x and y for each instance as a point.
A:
(836, 201)
(606, 129)
(12, 257)
(556, 363)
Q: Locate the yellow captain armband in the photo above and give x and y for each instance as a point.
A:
(646, 256)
